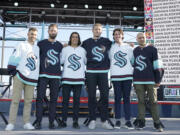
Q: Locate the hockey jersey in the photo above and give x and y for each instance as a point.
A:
(50, 59)
(121, 57)
(147, 66)
(25, 59)
(97, 55)
(73, 61)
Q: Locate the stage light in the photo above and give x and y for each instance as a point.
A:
(52, 5)
(16, 4)
(65, 6)
(86, 6)
(135, 8)
(100, 7)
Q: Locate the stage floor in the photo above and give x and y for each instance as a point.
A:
(172, 128)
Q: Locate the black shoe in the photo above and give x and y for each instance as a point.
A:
(51, 125)
(117, 124)
(128, 125)
(37, 125)
(140, 124)
(159, 126)
(62, 124)
(136, 122)
(76, 125)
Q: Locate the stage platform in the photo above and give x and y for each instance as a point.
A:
(172, 128)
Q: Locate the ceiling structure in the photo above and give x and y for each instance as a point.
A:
(113, 12)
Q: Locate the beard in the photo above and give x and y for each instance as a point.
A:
(52, 36)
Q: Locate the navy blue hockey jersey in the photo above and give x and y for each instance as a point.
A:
(97, 55)
(50, 59)
(147, 66)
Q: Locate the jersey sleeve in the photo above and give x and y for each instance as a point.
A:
(158, 67)
(14, 59)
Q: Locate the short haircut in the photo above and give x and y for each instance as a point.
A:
(52, 25)
(120, 30)
(32, 29)
(97, 24)
(141, 33)
(79, 40)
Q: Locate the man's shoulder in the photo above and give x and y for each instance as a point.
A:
(151, 47)
(42, 41)
(87, 40)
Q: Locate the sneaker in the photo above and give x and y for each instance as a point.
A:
(51, 125)
(28, 126)
(37, 125)
(128, 125)
(76, 125)
(107, 125)
(63, 124)
(136, 122)
(92, 124)
(9, 127)
(159, 127)
(118, 124)
(140, 124)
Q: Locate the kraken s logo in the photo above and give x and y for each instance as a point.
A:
(98, 53)
(52, 58)
(74, 63)
(141, 65)
(119, 57)
(31, 63)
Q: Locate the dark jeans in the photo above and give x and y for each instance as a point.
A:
(41, 93)
(100, 80)
(66, 89)
(122, 89)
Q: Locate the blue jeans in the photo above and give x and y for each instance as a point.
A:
(122, 89)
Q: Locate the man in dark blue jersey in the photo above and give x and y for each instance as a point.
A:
(97, 75)
(147, 76)
(50, 74)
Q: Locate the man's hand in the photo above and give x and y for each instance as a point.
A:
(157, 84)
(65, 45)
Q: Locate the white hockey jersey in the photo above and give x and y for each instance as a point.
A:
(121, 57)
(73, 61)
(25, 59)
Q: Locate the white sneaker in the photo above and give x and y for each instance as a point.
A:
(107, 125)
(28, 126)
(9, 127)
(92, 124)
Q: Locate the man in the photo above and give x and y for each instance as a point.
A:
(97, 75)
(121, 55)
(50, 73)
(147, 76)
(24, 65)
(73, 59)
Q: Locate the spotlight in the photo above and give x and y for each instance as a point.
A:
(52, 5)
(135, 8)
(86, 6)
(65, 6)
(16, 4)
(100, 7)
